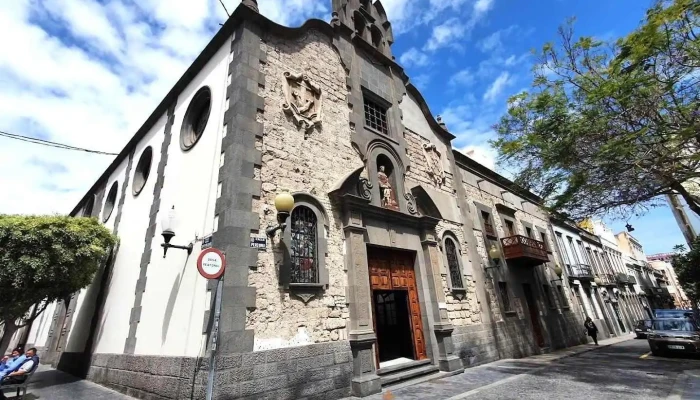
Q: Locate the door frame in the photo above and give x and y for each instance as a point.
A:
(416, 316)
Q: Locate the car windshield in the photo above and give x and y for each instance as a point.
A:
(644, 323)
(673, 325)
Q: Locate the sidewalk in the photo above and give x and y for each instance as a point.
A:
(454, 387)
(50, 384)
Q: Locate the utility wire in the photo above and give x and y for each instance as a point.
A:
(52, 144)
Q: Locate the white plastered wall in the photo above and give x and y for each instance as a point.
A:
(176, 298)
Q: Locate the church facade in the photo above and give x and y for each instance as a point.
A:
(400, 258)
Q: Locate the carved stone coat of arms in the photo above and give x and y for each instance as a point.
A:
(302, 100)
(432, 157)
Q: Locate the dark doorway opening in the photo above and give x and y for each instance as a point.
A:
(393, 324)
(534, 315)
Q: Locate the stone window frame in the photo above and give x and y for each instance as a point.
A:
(510, 218)
(449, 235)
(303, 199)
(561, 293)
(506, 302)
(544, 237)
(488, 239)
(527, 225)
(382, 102)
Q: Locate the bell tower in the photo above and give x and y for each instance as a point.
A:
(367, 20)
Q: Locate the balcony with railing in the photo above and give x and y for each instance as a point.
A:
(607, 279)
(524, 250)
(580, 271)
(622, 278)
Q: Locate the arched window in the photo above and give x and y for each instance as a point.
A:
(304, 246)
(377, 38)
(453, 264)
(303, 271)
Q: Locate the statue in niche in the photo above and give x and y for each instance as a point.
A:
(302, 100)
(386, 191)
(432, 157)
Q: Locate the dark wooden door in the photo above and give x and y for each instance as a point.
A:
(393, 270)
(534, 315)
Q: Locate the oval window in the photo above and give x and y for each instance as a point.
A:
(143, 169)
(195, 119)
(110, 202)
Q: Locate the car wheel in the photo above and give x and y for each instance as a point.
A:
(640, 336)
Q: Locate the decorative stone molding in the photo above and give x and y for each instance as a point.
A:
(432, 157)
(411, 203)
(364, 188)
(302, 100)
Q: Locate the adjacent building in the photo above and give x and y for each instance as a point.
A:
(638, 268)
(669, 291)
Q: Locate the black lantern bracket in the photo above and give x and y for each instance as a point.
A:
(167, 236)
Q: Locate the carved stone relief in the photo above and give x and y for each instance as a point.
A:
(432, 158)
(302, 100)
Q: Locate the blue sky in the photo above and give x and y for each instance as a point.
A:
(88, 73)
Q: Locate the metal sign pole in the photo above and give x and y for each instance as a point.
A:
(214, 339)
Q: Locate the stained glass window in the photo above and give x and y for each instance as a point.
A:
(304, 250)
(453, 263)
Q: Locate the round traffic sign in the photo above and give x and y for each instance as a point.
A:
(211, 263)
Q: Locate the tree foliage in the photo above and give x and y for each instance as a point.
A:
(44, 259)
(610, 128)
(687, 267)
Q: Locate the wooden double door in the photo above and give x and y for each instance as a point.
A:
(397, 316)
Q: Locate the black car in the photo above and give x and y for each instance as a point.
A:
(643, 327)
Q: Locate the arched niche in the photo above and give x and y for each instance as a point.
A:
(360, 25)
(377, 38)
(380, 155)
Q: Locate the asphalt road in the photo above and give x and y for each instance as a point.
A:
(621, 371)
(624, 370)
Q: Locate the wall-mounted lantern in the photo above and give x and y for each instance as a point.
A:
(598, 281)
(558, 272)
(284, 203)
(495, 256)
(168, 224)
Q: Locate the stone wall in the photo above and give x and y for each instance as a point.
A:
(420, 171)
(301, 162)
(320, 371)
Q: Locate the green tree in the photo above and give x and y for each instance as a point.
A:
(44, 259)
(610, 128)
(687, 267)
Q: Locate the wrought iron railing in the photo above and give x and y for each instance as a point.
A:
(606, 279)
(519, 246)
(621, 278)
(580, 271)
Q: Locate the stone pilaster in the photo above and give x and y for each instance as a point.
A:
(361, 334)
(447, 360)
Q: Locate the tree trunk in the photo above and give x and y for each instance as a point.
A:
(10, 329)
(689, 198)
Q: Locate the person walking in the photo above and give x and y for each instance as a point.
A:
(591, 329)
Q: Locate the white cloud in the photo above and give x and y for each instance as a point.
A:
(414, 57)
(421, 81)
(464, 77)
(483, 154)
(494, 41)
(496, 88)
(88, 73)
(443, 34)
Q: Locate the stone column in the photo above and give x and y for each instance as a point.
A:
(447, 360)
(361, 333)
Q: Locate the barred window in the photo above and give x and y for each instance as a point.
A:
(375, 116)
(453, 264)
(503, 288)
(304, 251)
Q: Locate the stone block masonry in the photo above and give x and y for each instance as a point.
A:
(319, 371)
(310, 162)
